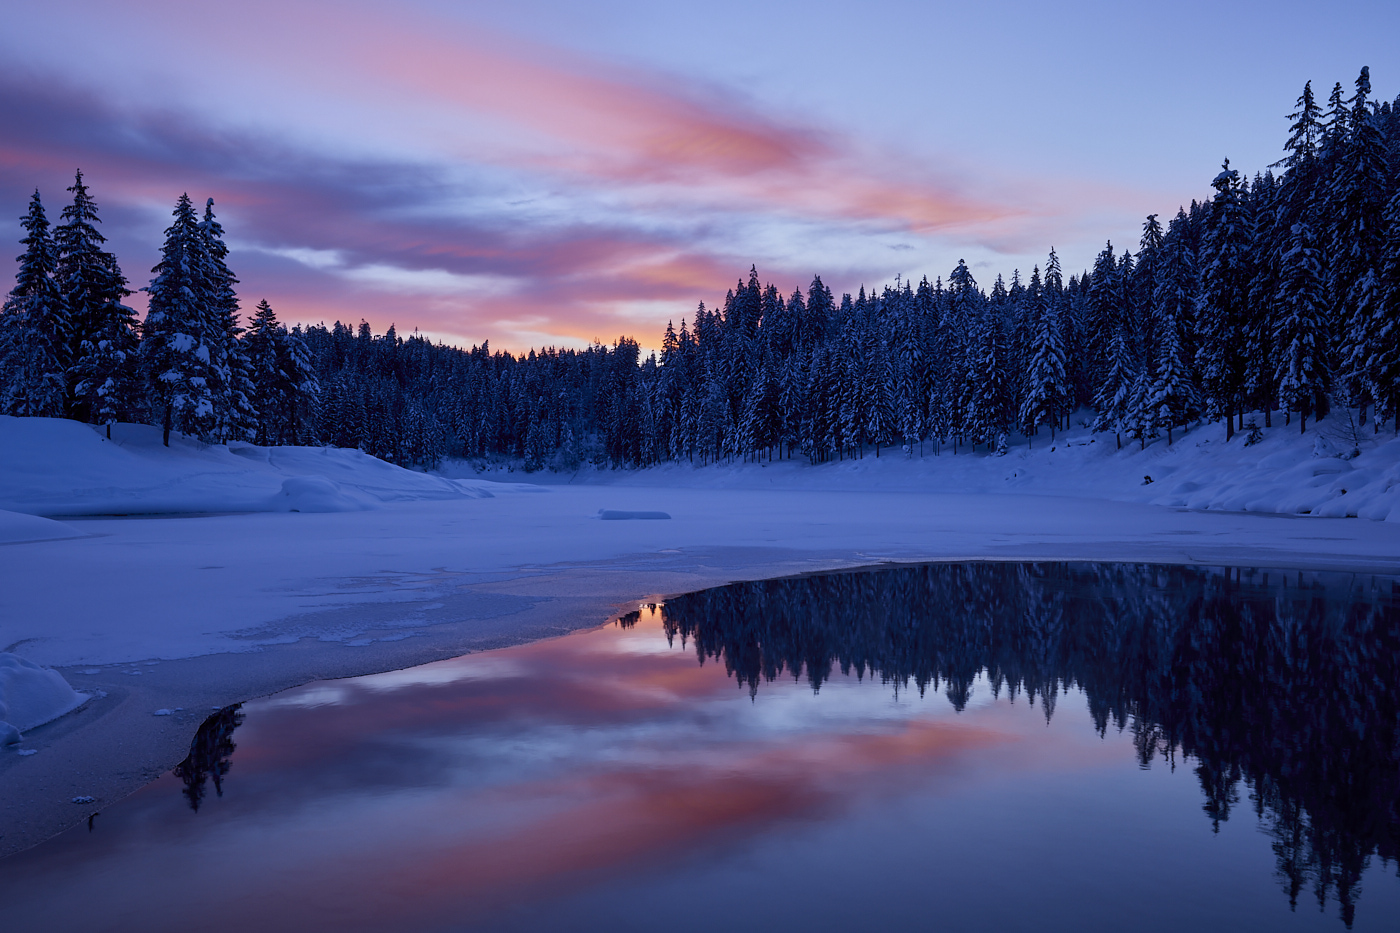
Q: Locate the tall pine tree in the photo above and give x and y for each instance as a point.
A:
(35, 328)
(103, 338)
(180, 337)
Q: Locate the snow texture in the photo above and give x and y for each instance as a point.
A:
(54, 467)
(31, 696)
(621, 515)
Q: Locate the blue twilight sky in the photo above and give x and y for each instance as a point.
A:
(544, 172)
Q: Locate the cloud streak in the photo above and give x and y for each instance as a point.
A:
(523, 195)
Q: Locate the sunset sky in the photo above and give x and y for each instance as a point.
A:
(544, 172)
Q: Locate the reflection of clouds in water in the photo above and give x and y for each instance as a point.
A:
(457, 670)
(657, 728)
(440, 674)
(309, 697)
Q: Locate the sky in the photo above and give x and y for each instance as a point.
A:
(553, 173)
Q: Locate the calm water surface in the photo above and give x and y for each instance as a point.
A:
(968, 747)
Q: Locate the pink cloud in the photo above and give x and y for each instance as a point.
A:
(647, 172)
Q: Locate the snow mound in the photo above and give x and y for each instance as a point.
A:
(620, 515)
(54, 467)
(16, 527)
(317, 494)
(30, 696)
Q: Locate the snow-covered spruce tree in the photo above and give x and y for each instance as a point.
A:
(1115, 401)
(1270, 242)
(103, 379)
(1104, 312)
(941, 357)
(761, 422)
(1172, 400)
(1045, 377)
(1058, 298)
(1172, 397)
(284, 383)
(1220, 354)
(989, 411)
(908, 365)
(233, 394)
(35, 328)
(1300, 331)
(851, 404)
(182, 333)
(1356, 197)
(298, 367)
(963, 305)
(1385, 321)
(1302, 165)
(877, 376)
(1146, 278)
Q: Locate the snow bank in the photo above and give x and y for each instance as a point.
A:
(1334, 470)
(16, 527)
(31, 696)
(1316, 479)
(50, 466)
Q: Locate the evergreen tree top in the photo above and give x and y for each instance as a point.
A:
(1151, 234)
(79, 216)
(37, 261)
(1227, 180)
(1305, 133)
(1054, 279)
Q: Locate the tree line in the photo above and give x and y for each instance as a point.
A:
(1279, 295)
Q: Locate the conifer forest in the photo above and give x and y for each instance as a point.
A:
(1277, 297)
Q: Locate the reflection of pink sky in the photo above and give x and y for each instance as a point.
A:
(308, 842)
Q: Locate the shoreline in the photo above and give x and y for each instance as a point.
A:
(114, 745)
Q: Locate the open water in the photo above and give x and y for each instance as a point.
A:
(980, 746)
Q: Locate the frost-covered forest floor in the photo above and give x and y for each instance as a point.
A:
(227, 593)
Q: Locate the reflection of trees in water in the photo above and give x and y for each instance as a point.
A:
(1287, 681)
(209, 754)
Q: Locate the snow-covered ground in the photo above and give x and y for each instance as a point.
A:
(53, 467)
(181, 605)
(1334, 470)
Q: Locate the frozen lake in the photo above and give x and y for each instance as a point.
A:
(998, 746)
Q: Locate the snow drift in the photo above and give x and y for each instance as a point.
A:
(16, 527)
(55, 467)
(30, 696)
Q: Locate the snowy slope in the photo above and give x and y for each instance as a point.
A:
(1331, 471)
(50, 466)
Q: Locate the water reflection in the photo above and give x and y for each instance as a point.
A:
(605, 781)
(1285, 683)
(209, 755)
